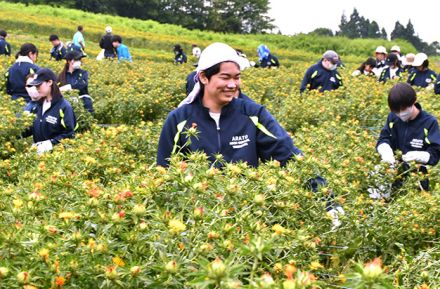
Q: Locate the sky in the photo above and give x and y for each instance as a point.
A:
(293, 17)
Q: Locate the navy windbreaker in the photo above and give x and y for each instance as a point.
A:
(248, 133)
(386, 74)
(58, 52)
(421, 78)
(319, 77)
(437, 85)
(15, 79)
(78, 79)
(5, 47)
(57, 123)
(419, 134)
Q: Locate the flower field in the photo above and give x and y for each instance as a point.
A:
(97, 213)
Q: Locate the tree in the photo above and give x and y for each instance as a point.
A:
(322, 31)
(359, 27)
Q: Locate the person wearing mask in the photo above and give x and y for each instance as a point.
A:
(54, 117)
(16, 74)
(265, 58)
(393, 69)
(5, 47)
(196, 51)
(58, 50)
(238, 129)
(412, 131)
(366, 68)
(421, 76)
(78, 39)
(179, 55)
(106, 43)
(32, 92)
(74, 78)
(381, 56)
(121, 49)
(323, 75)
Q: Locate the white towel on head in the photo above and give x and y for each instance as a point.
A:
(214, 54)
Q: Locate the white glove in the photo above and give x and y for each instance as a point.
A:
(43, 146)
(420, 157)
(356, 73)
(66, 87)
(386, 153)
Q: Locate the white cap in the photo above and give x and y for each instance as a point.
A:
(395, 48)
(214, 54)
(381, 49)
(108, 29)
(217, 53)
(409, 58)
(419, 59)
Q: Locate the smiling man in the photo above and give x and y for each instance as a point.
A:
(228, 123)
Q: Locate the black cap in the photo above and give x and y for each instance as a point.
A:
(75, 55)
(391, 59)
(42, 75)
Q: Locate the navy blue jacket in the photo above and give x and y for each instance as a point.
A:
(422, 78)
(5, 47)
(437, 85)
(319, 77)
(270, 61)
(78, 79)
(248, 132)
(15, 79)
(58, 52)
(180, 58)
(107, 45)
(57, 123)
(190, 82)
(385, 75)
(419, 134)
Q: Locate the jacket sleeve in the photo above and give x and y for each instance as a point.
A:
(169, 137)
(8, 51)
(437, 85)
(306, 80)
(68, 123)
(411, 78)
(386, 135)
(432, 137)
(101, 43)
(273, 142)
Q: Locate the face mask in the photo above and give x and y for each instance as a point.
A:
(332, 66)
(406, 114)
(77, 65)
(33, 93)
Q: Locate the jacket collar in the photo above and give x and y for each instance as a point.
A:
(24, 59)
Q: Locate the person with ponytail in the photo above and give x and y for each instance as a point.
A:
(54, 116)
(16, 74)
(74, 78)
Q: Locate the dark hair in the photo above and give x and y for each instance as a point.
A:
(62, 78)
(25, 49)
(401, 96)
(178, 48)
(116, 38)
(80, 28)
(370, 61)
(3, 33)
(53, 37)
(425, 63)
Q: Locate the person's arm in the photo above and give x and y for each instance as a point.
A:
(68, 123)
(411, 78)
(8, 49)
(169, 140)
(433, 140)
(306, 80)
(385, 144)
(437, 85)
(101, 43)
(273, 142)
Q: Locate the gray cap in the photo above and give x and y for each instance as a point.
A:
(331, 56)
